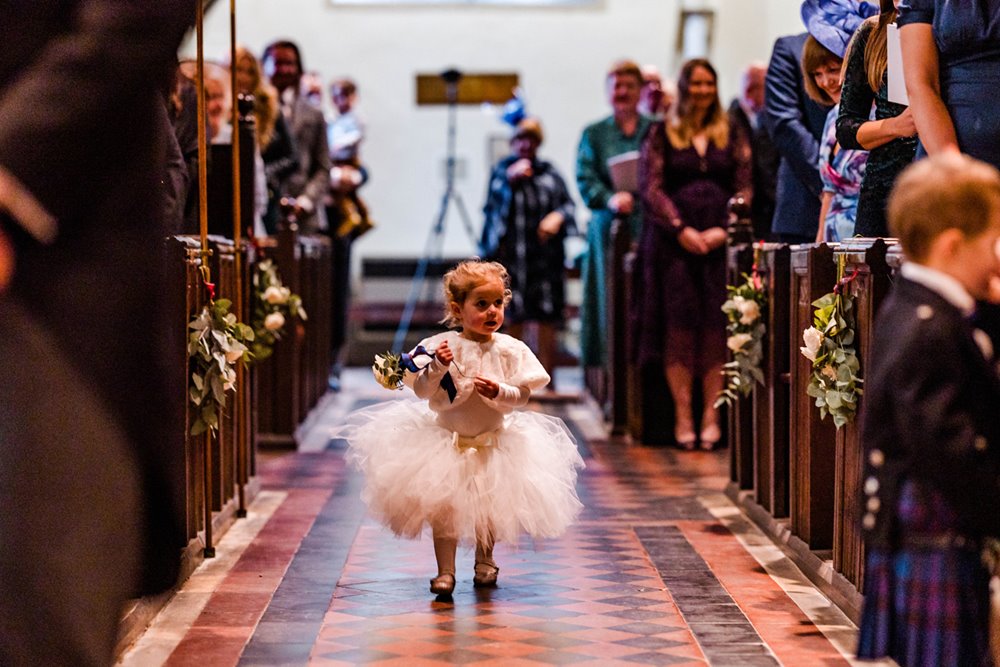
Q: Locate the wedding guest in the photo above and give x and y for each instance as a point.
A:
(346, 210)
(92, 464)
(309, 184)
(795, 124)
(656, 96)
(951, 61)
(831, 23)
(691, 166)
(621, 132)
(747, 111)
(890, 136)
(276, 150)
(929, 424)
(528, 214)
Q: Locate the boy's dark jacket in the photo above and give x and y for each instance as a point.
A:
(931, 413)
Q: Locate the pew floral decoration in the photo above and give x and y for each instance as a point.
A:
(829, 347)
(274, 306)
(217, 342)
(744, 311)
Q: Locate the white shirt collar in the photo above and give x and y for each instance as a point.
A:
(942, 284)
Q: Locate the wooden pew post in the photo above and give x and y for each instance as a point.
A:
(812, 439)
(617, 377)
(770, 418)
(868, 257)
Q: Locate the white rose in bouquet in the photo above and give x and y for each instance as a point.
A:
(813, 339)
(236, 350)
(274, 321)
(737, 341)
(276, 295)
(749, 311)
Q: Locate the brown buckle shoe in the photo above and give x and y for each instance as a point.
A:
(486, 575)
(443, 584)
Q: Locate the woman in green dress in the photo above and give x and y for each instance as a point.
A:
(621, 132)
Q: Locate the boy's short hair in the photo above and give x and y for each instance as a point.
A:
(938, 193)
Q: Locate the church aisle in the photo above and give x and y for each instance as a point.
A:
(660, 570)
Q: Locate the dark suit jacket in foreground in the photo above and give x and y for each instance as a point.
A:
(795, 124)
(89, 448)
(931, 409)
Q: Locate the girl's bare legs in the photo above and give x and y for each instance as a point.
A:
(444, 552)
(711, 384)
(679, 379)
(486, 567)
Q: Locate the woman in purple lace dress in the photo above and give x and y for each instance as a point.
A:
(691, 165)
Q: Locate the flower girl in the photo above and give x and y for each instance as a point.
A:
(466, 463)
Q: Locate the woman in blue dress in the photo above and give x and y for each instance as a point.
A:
(951, 52)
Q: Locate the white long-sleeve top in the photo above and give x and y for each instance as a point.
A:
(502, 359)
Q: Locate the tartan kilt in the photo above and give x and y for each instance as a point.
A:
(926, 607)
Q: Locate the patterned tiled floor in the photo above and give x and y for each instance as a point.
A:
(661, 570)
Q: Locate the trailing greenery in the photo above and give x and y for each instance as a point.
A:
(217, 342)
(829, 345)
(273, 306)
(744, 311)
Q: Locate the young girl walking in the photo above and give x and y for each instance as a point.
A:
(466, 464)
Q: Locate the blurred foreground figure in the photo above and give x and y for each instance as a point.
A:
(90, 517)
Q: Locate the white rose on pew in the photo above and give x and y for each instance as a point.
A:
(229, 379)
(275, 295)
(749, 310)
(235, 352)
(813, 338)
(274, 321)
(737, 341)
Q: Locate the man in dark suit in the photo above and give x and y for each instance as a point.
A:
(795, 124)
(747, 110)
(282, 62)
(87, 470)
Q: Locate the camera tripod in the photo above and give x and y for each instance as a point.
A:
(435, 239)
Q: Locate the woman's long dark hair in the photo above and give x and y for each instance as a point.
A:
(682, 128)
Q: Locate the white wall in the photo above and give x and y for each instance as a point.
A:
(561, 55)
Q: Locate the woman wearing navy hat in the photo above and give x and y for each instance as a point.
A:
(831, 25)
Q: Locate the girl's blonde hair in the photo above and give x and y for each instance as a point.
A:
(681, 126)
(467, 276)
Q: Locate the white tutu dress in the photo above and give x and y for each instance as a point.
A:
(472, 468)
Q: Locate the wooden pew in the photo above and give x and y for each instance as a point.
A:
(812, 439)
(618, 311)
(740, 436)
(770, 415)
(869, 288)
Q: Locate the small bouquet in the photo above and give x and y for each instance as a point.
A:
(829, 346)
(746, 328)
(389, 370)
(273, 305)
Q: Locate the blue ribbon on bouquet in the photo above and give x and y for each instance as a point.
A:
(406, 359)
